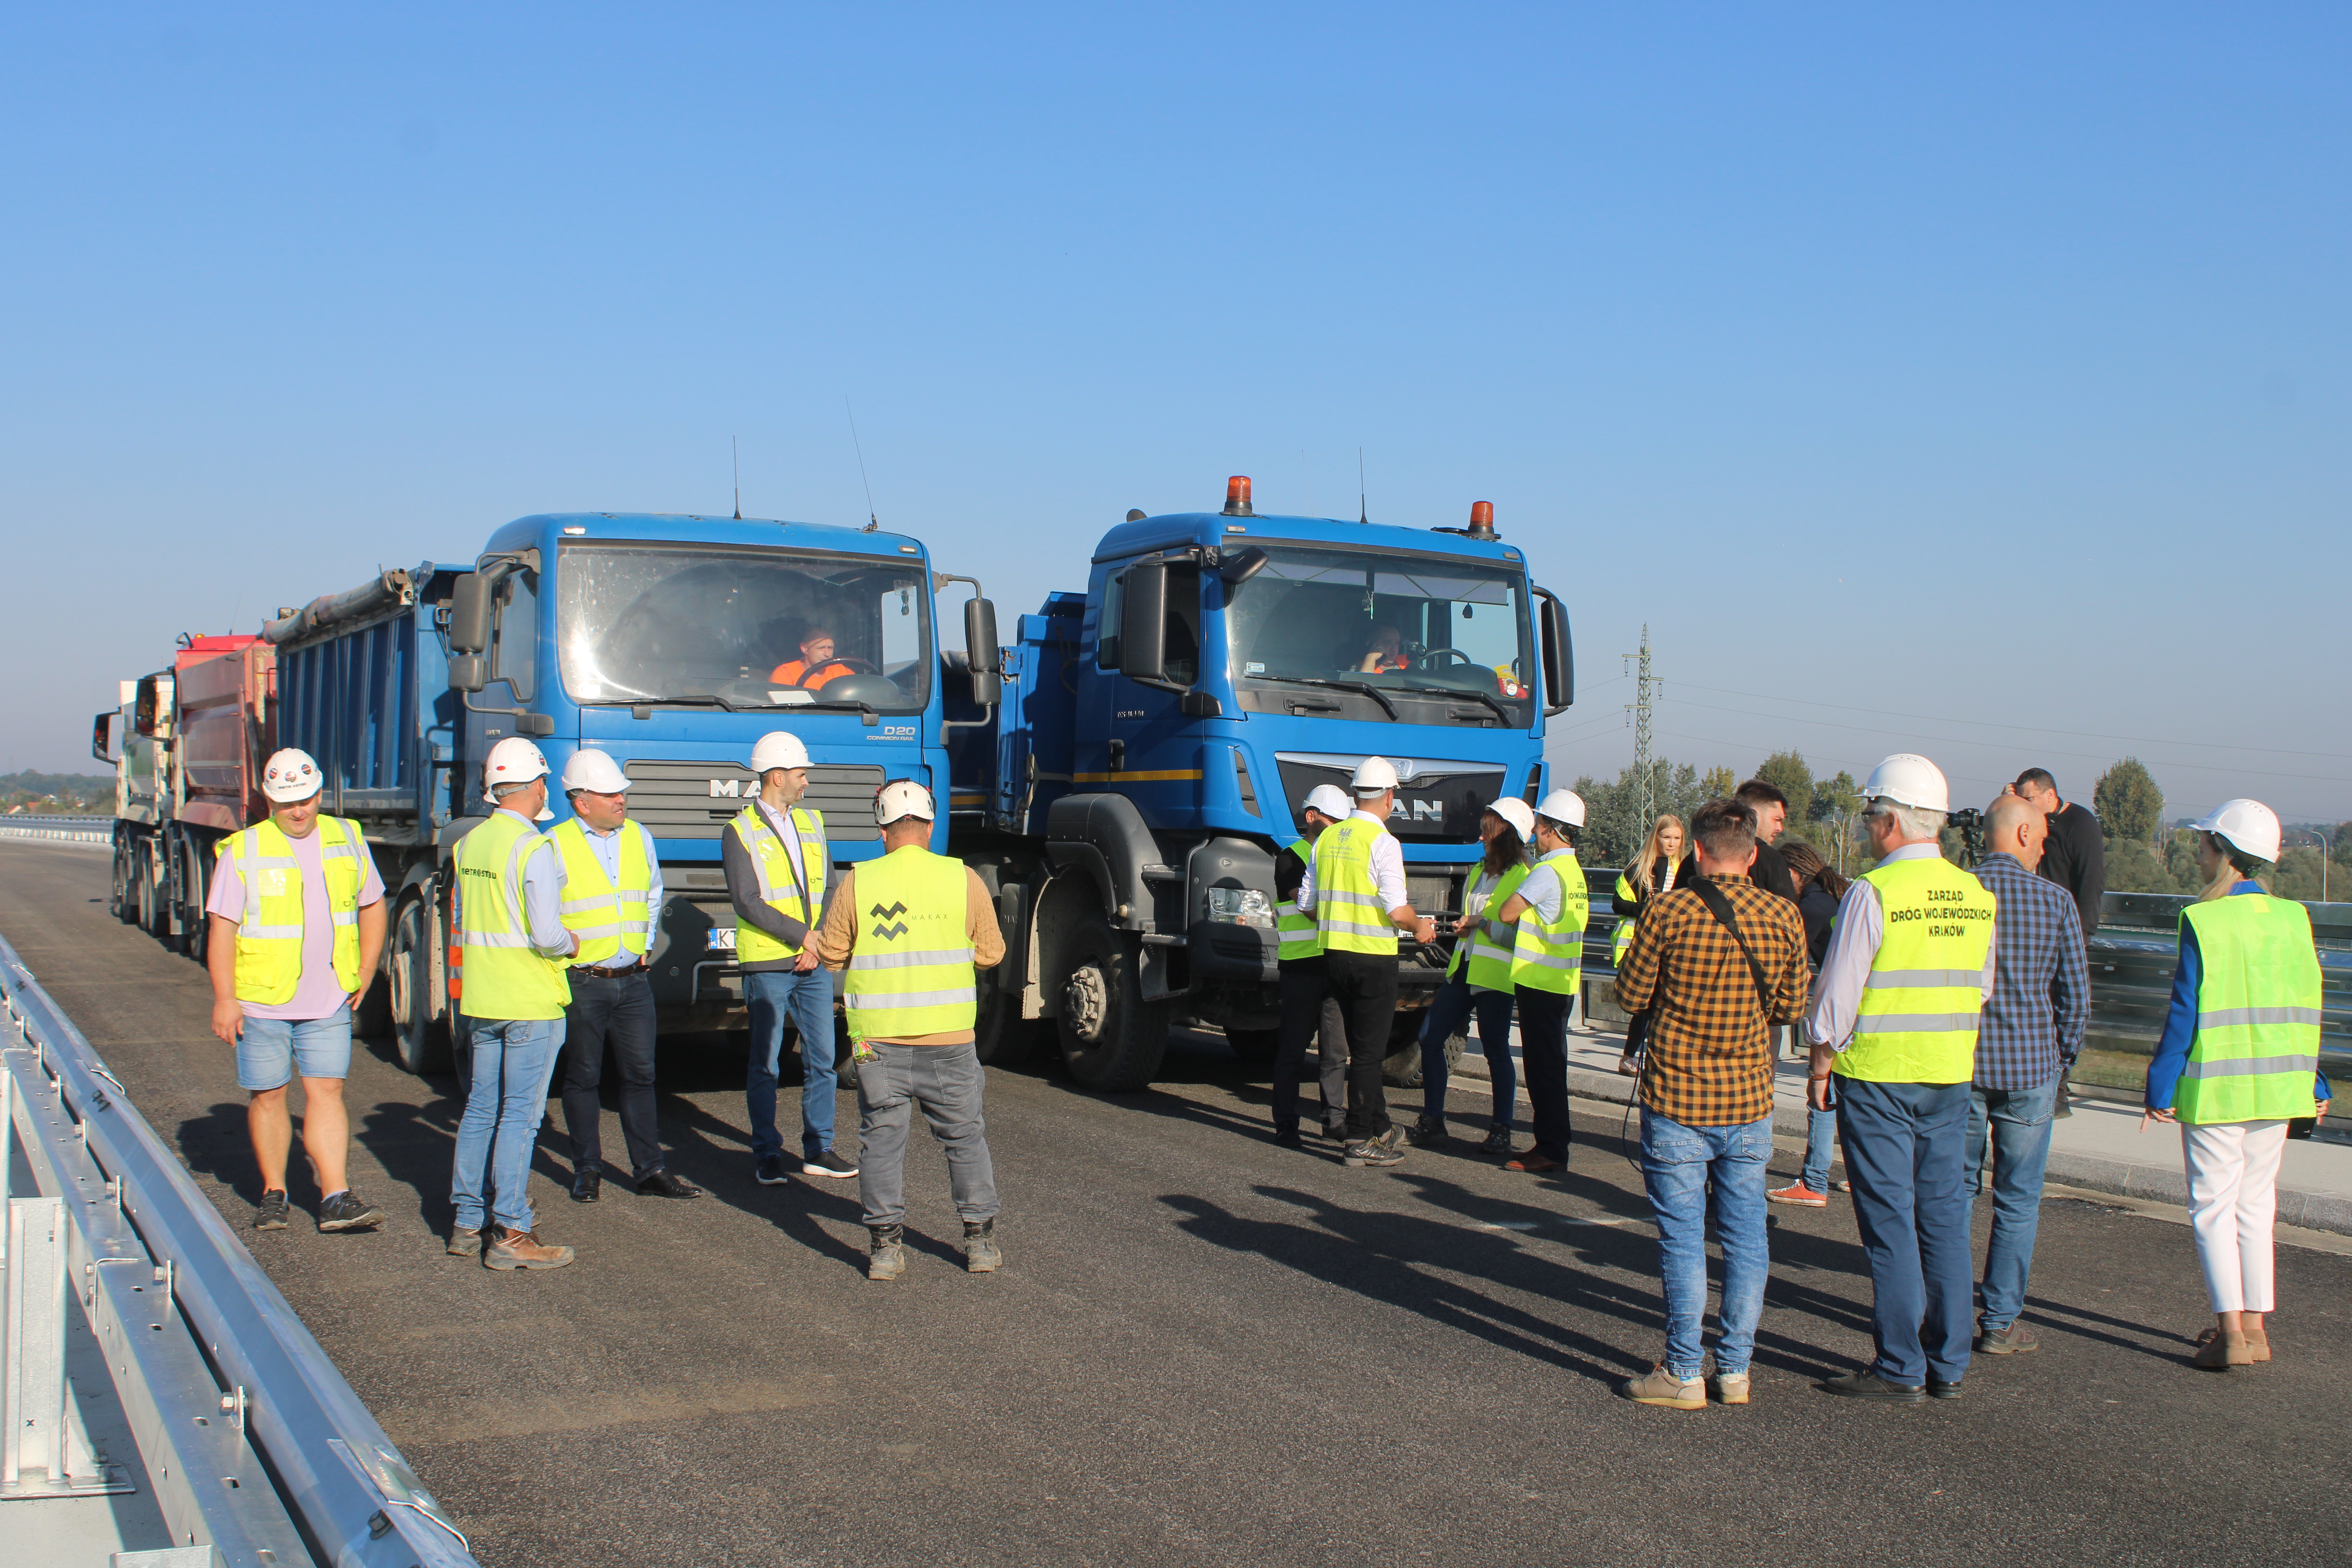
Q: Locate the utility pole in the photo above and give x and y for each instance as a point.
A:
(1645, 792)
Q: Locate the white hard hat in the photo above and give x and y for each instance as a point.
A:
(1907, 779)
(290, 776)
(1331, 801)
(1522, 816)
(1374, 774)
(592, 770)
(900, 798)
(514, 761)
(2249, 825)
(779, 749)
(1561, 805)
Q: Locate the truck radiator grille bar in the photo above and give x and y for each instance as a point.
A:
(696, 800)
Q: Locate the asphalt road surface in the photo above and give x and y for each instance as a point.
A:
(1201, 1349)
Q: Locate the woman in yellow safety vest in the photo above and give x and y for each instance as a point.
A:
(1658, 868)
(2238, 1061)
(1478, 980)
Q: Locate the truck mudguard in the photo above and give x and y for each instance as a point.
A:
(1105, 834)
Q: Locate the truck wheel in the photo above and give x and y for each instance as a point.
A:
(154, 916)
(1002, 1036)
(1112, 1040)
(122, 903)
(1256, 1048)
(1401, 1069)
(421, 1041)
(195, 882)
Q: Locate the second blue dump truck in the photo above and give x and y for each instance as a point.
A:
(1158, 731)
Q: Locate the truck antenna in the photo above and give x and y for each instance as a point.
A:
(735, 446)
(1363, 512)
(873, 523)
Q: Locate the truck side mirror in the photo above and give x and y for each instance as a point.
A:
(982, 655)
(98, 736)
(470, 599)
(1143, 632)
(467, 672)
(1558, 655)
(1240, 565)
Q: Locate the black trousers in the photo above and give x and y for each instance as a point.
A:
(1364, 984)
(1310, 1012)
(619, 1012)
(1543, 1056)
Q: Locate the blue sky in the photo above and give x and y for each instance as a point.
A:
(1977, 379)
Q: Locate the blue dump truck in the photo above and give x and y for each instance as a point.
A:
(1158, 731)
(657, 639)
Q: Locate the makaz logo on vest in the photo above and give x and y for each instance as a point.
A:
(888, 932)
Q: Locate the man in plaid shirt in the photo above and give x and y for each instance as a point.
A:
(1706, 1092)
(2030, 1034)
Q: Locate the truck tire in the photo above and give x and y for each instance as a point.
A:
(195, 882)
(122, 902)
(1112, 1040)
(419, 1039)
(1002, 1037)
(1256, 1048)
(155, 915)
(1401, 1069)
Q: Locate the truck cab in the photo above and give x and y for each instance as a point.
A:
(1160, 731)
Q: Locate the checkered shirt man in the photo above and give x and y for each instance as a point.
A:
(1711, 1047)
(2041, 988)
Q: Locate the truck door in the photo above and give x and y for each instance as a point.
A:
(1151, 754)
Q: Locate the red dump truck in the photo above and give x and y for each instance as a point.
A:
(187, 746)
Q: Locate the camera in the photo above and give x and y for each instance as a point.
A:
(1968, 822)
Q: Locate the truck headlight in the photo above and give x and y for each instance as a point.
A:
(1241, 907)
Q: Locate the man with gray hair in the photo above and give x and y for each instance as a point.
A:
(1894, 1018)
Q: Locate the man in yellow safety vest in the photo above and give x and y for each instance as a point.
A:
(297, 913)
(1893, 1018)
(1549, 911)
(1308, 1008)
(912, 929)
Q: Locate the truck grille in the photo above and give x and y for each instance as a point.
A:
(696, 800)
(1441, 803)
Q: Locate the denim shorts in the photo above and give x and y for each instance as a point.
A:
(271, 1051)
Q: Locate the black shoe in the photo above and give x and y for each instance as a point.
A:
(1288, 1137)
(348, 1211)
(1943, 1390)
(662, 1184)
(769, 1171)
(1870, 1385)
(828, 1164)
(587, 1185)
(271, 1215)
(1429, 1130)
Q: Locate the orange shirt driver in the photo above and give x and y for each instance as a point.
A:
(816, 665)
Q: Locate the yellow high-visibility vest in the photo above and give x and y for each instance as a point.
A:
(2255, 1056)
(1485, 954)
(910, 973)
(607, 918)
(1548, 955)
(269, 933)
(771, 859)
(1293, 925)
(1349, 914)
(1920, 1006)
(504, 977)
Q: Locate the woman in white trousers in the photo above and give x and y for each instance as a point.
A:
(2239, 1058)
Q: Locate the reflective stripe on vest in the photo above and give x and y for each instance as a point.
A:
(910, 973)
(778, 888)
(2256, 1054)
(1295, 926)
(1349, 914)
(1548, 955)
(1485, 953)
(1920, 1006)
(607, 918)
(270, 932)
(504, 977)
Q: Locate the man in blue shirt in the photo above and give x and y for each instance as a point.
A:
(2030, 1034)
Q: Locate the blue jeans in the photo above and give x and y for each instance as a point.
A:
(1904, 1143)
(1453, 1002)
(2018, 1122)
(506, 1099)
(1676, 1162)
(776, 995)
(1821, 1147)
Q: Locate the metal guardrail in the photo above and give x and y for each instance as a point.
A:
(59, 830)
(255, 1443)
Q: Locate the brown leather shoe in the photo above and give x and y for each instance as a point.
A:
(522, 1249)
(1533, 1163)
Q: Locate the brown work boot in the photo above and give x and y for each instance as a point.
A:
(522, 1249)
(464, 1243)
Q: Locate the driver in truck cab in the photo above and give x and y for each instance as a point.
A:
(1385, 652)
(816, 665)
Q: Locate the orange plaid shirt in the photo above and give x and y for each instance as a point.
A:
(1710, 1052)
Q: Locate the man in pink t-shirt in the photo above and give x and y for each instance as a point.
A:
(276, 994)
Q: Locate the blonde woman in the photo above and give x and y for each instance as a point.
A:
(1659, 868)
(2238, 1061)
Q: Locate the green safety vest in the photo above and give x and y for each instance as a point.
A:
(2256, 1051)
(779, 889)
(1349, 914)
(910, 973)
(503, 977)
(269, 933)
(1484, 954)
(1548, 955)
(1295, 926)
(1622, 938)
(606, 919)
(1921, 1006)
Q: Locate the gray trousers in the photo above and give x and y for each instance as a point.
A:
(945, 1081)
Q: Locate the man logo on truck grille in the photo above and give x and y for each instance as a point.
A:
(889, 933)
(726, 789)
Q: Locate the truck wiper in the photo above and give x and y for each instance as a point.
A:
(1474, 696)
(1372, 691)
(653, 703)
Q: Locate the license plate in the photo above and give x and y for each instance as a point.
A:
(722, 939)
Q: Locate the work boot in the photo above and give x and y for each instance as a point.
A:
(1499, 1142)
(465, 1242)
(348, 1211)
(887, 1258)
(271, 1215)
(522, 1249)
(1659, 1386)
(1427, 1130)
(979, 1253)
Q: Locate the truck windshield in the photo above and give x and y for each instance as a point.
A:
(1314, 624)
(743, 627)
